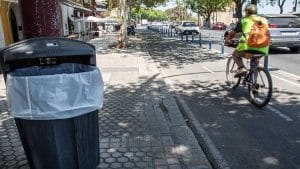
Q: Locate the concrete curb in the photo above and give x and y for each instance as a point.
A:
(213, 155)
(210, 150)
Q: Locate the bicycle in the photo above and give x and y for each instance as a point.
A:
(257, 79)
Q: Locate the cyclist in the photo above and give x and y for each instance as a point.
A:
(244, 26)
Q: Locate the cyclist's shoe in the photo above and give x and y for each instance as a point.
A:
(242, 71)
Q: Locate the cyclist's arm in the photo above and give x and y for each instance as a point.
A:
(237, 29)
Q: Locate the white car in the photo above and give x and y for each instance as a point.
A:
(188, 27)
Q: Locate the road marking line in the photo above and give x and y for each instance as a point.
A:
(289, 74)
(204, 67)
(285, 117)
(293, 83)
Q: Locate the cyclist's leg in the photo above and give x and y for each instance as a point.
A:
(237, 57)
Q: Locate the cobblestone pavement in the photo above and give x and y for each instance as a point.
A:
(11, 151)
(140, 123)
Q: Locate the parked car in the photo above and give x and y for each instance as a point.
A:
(284, 31)
(188, 27)
(219, 26)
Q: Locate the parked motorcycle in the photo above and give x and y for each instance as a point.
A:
(131, 30)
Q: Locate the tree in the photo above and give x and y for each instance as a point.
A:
(254, 2)
(149, 14)
(178, 13)
(279, 3)
(239, 8)
(126, 6)
(206, 8)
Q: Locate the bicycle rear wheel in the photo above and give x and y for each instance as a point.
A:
(231, 69)
(260, 89)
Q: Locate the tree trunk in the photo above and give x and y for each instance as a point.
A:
(280, 4)
(122, 40)
(254, 2)
(239, 8)
(198, 16)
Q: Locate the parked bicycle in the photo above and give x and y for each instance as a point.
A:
(257, 79)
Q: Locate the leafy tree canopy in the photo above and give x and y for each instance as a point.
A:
(206, 8)
(150, 14)
(136, 3)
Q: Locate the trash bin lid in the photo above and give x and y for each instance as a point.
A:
(46, 47)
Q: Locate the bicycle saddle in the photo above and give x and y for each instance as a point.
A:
(254, 54)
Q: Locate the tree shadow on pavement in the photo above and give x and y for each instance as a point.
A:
(231, 121)
(177, 53)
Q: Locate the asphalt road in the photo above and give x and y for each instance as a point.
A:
(247, 137)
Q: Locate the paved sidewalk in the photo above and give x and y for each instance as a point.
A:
(140, 123)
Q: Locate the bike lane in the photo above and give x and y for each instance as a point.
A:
(246, 136)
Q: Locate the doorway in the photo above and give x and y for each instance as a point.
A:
(14, 26)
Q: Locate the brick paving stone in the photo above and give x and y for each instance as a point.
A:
(116, 154)
(115, 165)
(22, 162)
(122, 159)
(140, 154)
(103, 165)
(129, 154)
(161, 167)
(174, 167)
(24, 167)
(171, 161)
(110, 160)
(129, 164)
(141, 164)
(105, 155)
(10, 163)
(159, 162)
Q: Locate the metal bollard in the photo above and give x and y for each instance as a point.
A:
(192, 38)
(171, 32)
(266, 62)
(200, 40)
(186, 38)
(181, 36)
(222, 45)
(209, 42)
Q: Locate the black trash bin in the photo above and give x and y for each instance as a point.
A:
(54, 91)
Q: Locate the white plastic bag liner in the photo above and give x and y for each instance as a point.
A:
(54, 92)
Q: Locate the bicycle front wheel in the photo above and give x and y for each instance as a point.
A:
(231, 69)
(260, 87)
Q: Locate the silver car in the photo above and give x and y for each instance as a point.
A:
(284, 31)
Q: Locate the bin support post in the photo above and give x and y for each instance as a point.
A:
(266, 62)
(35, 27)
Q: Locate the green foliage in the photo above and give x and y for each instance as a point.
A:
(136, 3)
(207, 7)
(150, 14)
(178, 13)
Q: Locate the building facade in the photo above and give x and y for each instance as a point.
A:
(72, 11)
(10, 22)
